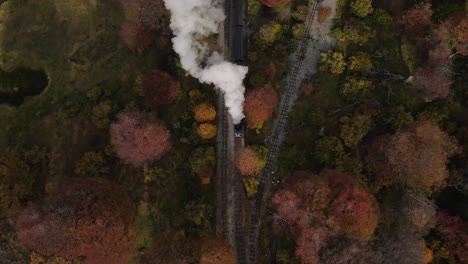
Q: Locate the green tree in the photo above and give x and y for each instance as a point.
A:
(199, 213)
(15, 184)
(92, 164)
(298, 31)
(399, 118)
(300, 13)
(360, 62)
(250, 184)
(354, 89)
(329, 150)
(253, 7)
(362, 8)
(158, 175)
(355, 32)
(381, 18)
(335, 61)
(354, 128)
(101, 114)
(201, 158)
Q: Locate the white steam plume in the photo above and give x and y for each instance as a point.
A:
(192, 20)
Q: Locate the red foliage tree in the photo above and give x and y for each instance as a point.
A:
(319, 207)
(260, 103)
(137, 140)
(453, 33)
(416, 21)
(415, 157)
(454, 233)
(153, 14)
(433, 80)
(169, 248)
(274, 3)
(270, 70)
(88, 218)
(248, 162)
(159, 87)
(136, 36)
(323, 13)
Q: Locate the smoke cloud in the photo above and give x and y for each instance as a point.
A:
(191, 21)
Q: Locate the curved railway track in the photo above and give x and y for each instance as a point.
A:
(280, 126)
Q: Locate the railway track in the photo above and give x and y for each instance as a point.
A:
(231, 194)
(279, 129)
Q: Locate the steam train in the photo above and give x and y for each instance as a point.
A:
(237, 28)
(237, 45)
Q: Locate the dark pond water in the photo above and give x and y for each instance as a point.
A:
(15, 86)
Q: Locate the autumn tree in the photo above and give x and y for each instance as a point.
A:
(453, 33)
(433, 79)
(416, 21)
(154, 15)
(270, 70)
(323, 13)
(260, 103)
(361, 8)
(360, 62)
(15, 184)
(215, 250)
(415, 157)
(88, 218)
(354, 88)
(136, 36)
(268, 34)
(169, 247)
(454, 232)
(335, 61)
(354, 128)
(207, 130)
(159, 87)
(137, 139)
(248, 162)
(320, 207)
(204, 112)
(274, 3)
(353, 32)
(399, 239)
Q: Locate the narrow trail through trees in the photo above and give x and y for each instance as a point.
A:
(288, 99)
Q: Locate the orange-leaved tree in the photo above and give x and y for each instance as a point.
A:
(87, 218)
(138, 139)
(207, 130)
(159, 87)
(248, 162)
(204, 112)
(215, 250)
(260, 103)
